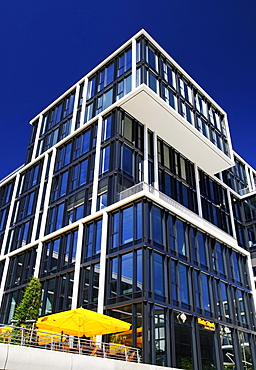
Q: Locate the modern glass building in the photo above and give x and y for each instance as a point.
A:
(132, 202)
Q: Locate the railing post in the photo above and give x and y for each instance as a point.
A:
(22, 336)
(125, 353)
(138, 356)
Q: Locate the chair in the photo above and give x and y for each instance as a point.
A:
(131, 357)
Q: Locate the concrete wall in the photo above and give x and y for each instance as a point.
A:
(25, 358)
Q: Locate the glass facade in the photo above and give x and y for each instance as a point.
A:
(111, 217)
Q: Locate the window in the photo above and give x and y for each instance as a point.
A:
(75, 208)
(55, 218)
(69, 105)
(152, 58)
(152, 82)
(115, 231)
(126, 159)
(184, 289)
(124, 87)
(92, 240)
(185, 91)
(200, 104)
(82, 144)
(63, 156)
(65, 129)
(79, 174)
(57, 293)
(6, 193)
(89, 284)
(181, 240)
(206, 294)
(126, 273)
(104, 161)
(124, 62)
(126, 225)
(202, 249)
(167, 74)
(186, 112)
(91, 88)
(169, 97)
(106, 128)
(59, 186)
(21, 268)
(59, 253)
(175, 298)
(157, 225)
(225, 300)
(158, 276)
(220, 259)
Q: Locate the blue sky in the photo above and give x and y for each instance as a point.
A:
(48, 45)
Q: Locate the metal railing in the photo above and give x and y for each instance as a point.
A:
(146, 188)
(65, 343)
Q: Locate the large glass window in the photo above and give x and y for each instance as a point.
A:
(183, 344)
(181, 238)
(157, 225)
(246, 351)
(109, 84)
(126, 273)
(104, 160)
(21, 268)
(127, 225)
(207, 350)
(158, 276)
(160, 335)
(57, 293)
(59, 253)
(89, 286)
(92, 240)
(184, 288)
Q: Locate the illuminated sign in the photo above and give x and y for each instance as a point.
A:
(206, 324)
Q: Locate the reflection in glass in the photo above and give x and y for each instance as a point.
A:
(160, 336)
(245, 351)
(226, 341)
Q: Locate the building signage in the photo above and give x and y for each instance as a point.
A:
(206, 324)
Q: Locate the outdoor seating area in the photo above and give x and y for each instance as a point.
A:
(66, 343)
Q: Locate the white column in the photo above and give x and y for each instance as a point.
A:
(96, 167)
(102, 277)
(37, 137)
(84, 102)
(47, 193)
(38, 259)
(10, 214)
(248, 178)
(145, 169)
(133, 64)
(7, 260)
(251, 178)
(156, 182)
(77, 267)
(231, 215)
(39, 198)
(73, 124)
(251, 277)
(198, 194)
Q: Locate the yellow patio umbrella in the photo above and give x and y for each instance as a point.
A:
(80, 322)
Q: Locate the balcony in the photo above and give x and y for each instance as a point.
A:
(26, 349)
(148, 108)
(143, 189)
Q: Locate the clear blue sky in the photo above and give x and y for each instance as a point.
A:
(48, 45)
